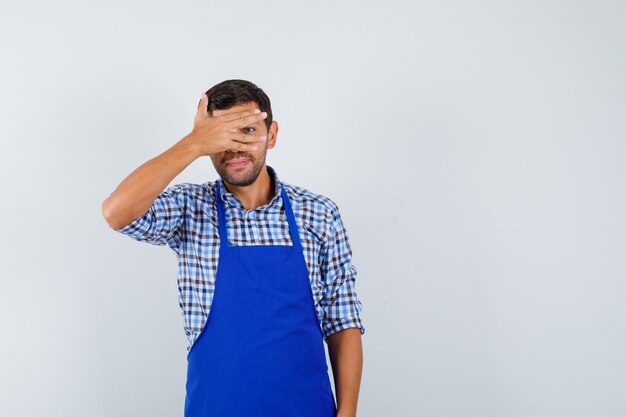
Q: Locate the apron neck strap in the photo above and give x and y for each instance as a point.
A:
(221, 216)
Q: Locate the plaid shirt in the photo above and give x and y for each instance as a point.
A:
(184, 216)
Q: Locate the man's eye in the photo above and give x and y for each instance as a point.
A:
(248, 128)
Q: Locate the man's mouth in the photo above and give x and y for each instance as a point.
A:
(237, 162)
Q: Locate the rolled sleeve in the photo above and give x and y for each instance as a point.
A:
(162, 222)
(341, 305)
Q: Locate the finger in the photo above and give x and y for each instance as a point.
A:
(202, 106)
(234, 116)
(246, 138)
(238, 115)
(246, 119)
(242, 147)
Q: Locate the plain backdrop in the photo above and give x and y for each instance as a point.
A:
(476, 151)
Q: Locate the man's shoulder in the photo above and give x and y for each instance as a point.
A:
(198, 189)
(190, 194)
(305, 198)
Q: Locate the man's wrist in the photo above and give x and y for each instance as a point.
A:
(191, 145)
(345, 410)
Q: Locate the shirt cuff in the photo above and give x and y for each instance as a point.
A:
(332, 327)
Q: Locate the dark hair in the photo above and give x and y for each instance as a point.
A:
(230, 92)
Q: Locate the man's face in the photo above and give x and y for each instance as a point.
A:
(242, 168)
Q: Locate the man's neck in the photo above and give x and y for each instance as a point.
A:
(257, 194)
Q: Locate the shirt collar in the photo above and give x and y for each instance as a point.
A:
(230, 198)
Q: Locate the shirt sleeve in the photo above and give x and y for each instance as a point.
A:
(341, 305)
(161, 224)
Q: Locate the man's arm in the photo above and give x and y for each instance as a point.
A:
(210, 134)
(346, 357)
(137, 191)
(342, 324)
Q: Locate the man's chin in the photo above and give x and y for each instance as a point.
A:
(238, 177)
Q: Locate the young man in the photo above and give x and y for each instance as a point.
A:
(264, 268)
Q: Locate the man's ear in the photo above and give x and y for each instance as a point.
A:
(271, 135)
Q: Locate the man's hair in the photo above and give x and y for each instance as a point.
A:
(230, 92)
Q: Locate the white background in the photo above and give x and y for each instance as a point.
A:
(475, 149)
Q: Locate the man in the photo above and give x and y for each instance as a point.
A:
(265, 273)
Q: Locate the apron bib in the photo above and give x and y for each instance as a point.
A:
(261, 350)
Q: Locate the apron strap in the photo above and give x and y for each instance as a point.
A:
(293, 227)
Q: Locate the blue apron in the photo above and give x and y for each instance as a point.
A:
(261, 350)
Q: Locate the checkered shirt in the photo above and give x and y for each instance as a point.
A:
(184, 216)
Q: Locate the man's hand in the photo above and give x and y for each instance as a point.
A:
(220, 133)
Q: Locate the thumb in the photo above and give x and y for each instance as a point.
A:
(202, 106)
